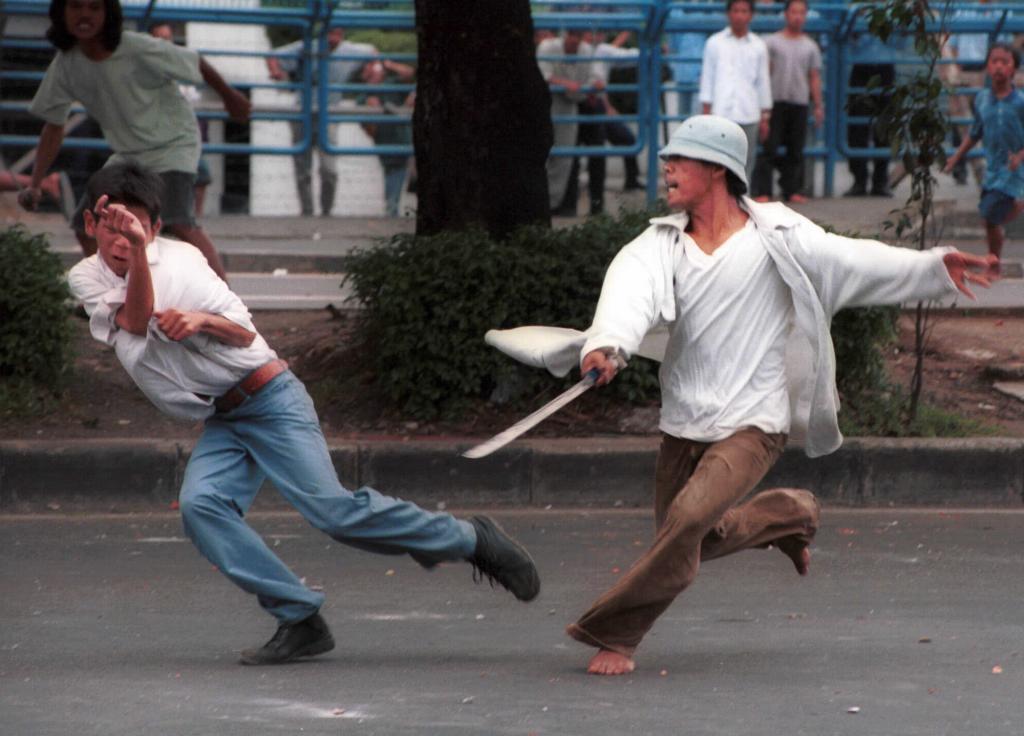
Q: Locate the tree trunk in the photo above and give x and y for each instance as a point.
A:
(482, 124)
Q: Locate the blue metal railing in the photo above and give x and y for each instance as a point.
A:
(836, 25)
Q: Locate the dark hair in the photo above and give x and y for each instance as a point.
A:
(730, 3)
(734, 185)
(110, 35)
(1005, 47)
(790, 2)
(128, 183)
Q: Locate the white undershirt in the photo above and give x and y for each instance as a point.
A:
(733, 314)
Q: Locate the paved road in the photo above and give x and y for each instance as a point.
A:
(114, 625)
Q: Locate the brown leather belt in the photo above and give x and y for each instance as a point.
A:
(250, 385)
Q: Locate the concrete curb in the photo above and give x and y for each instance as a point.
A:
(133, 474)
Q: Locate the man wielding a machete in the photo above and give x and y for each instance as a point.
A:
(748, 292)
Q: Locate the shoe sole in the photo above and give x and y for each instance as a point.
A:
(310, 650)
(522, 550)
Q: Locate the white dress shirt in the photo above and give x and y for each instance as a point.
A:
(734, 78)
(175, 376)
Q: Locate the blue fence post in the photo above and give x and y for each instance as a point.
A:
(653, 121)
(832, 103)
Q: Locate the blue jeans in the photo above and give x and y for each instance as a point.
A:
(276, 434)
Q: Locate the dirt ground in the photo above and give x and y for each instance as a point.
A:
(102, 402)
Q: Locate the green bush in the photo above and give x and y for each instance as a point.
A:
(35, 335)
(429, 300)
(860, 337)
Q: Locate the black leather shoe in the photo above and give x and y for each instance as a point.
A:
(499, 557)
(307, 638)
(633, 185)
(857, 190)
(883, 191)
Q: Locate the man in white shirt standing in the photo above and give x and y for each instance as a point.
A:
(189, 344)
(747, 292)
(734, 79)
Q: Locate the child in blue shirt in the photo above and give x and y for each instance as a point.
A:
(999, 122)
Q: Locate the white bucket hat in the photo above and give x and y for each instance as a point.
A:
(710, 138)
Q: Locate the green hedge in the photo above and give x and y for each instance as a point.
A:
(35, 334)
(428, 302)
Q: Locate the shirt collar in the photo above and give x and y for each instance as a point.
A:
(153, 251)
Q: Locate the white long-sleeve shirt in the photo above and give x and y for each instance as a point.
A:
(175, 376)
(823, 273)
(734, 77)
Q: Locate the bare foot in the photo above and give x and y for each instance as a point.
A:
(800, 555)
(762, 198)
(607, 662)
(798, 199)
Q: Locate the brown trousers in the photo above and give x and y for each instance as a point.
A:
(697, 487)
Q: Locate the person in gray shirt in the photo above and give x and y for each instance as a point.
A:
(795, 66)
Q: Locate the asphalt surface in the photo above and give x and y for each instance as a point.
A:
(909, 623)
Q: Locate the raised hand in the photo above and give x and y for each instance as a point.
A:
(117, 218)
(966, 267)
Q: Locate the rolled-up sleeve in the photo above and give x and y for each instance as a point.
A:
(208, 293)
(100, 298)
